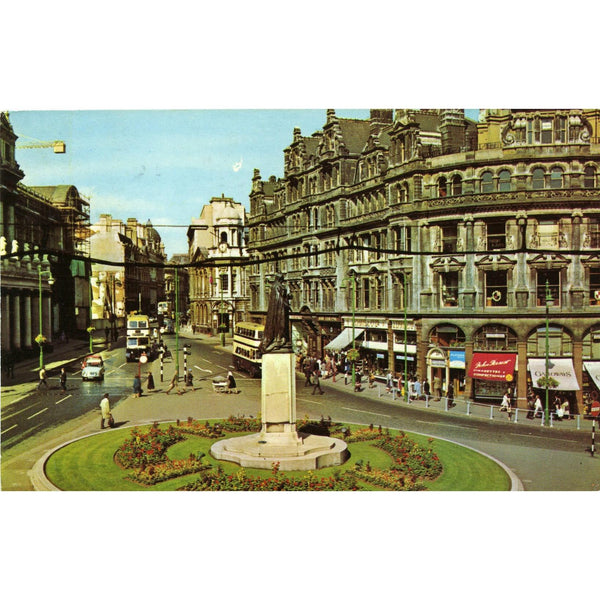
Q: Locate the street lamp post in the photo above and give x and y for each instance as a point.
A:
(41, 334)
(353, 280)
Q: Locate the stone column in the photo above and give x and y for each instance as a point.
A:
(5, 321)
(468, 359)
(9, 227)
(422, 273)
(35, 315)
(27, 333)
(576, 292)
(522, 291)
(47, 317)
(15, 321)
(578, 366)
(469, 289)
(521, 390)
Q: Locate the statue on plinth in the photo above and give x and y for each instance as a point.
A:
(277, 336)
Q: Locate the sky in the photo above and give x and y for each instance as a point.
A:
(161, 165)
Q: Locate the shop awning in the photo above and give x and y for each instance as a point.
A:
(593, 368)
(342, 341)
(560, 369)
(383, 347)
(492, 366)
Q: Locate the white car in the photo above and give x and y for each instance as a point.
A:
(92, 368)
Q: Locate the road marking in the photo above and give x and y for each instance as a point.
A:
(545, 438)
(201, 369)
(11, 427)
(368, 412)
(312, 401)
(59, 401)
(448, 425)
(37, 413)
(18, 412)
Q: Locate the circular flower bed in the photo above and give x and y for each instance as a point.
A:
(144, 454)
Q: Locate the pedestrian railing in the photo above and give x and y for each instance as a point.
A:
(478, 409)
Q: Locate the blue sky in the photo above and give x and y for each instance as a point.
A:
(162, 165)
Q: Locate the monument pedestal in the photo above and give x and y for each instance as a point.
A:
(278, 440)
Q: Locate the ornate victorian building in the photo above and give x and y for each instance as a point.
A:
(43, 232)
(133, 283)
(448, 248)
(217, 294)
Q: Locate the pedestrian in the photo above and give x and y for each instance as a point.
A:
(63, 379)
(566, 408)
(357, 380)
(437, 388)
(346, 373)
(505, 404)
(307, 371)
(417, 389)
(105, 410)
(538, 406)
(450, 394)
(388, 382)
(174, 381)
(151, 385)
(43, 377)
(106, 334)
(317, 381)
(530, 407)
(231, 385)
(426, 389)
(333, 370)
(372, 378)
(137, 386)
(190, 379)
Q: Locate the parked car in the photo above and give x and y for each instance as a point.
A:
(92, 368)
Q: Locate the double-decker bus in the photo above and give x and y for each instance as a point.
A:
(138, 337)
(246, 340)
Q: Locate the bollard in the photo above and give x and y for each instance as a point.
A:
(162, 354)
(446, 402)
(426, 400)
(516, 415)
(491, 412)
(468, 408)
(578, 423)
(551, 423)
(593, 436)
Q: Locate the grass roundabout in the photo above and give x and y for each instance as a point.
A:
(176, 456)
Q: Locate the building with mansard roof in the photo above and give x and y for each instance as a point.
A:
(442, 247)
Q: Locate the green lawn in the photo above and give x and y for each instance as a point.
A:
(88, 465)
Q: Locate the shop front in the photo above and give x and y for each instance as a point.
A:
(492, 374)
(562, 379)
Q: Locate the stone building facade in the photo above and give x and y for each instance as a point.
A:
(43, 234)
(133, 277)
(217, 293)
(441, 243)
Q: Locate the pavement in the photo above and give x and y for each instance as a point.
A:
(22, 465)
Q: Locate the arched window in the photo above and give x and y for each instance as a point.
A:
(487, 182)
(504, 181)
(456, 185)
(556, 178)
(589, 177)
(537, 179)
(442, 187)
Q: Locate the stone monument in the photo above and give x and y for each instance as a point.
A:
(278, 440)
